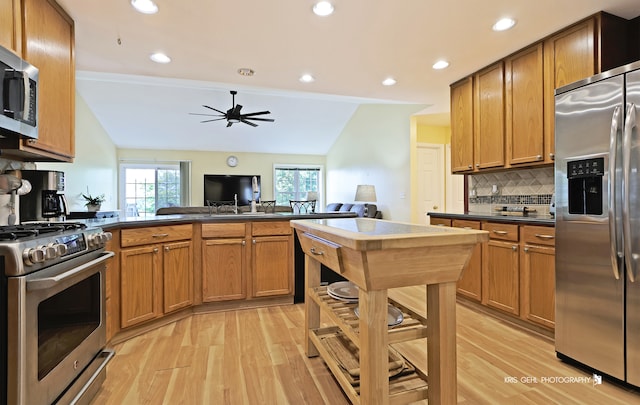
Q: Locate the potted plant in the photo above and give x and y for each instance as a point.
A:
(93, 203)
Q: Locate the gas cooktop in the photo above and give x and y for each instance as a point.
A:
(29, 229)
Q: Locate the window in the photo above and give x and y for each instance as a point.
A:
(294, 182)
(147, 187)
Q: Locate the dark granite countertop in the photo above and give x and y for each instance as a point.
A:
(134, 222)
(532, 219)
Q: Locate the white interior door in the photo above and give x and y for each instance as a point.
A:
(431, 190)
(454, 187)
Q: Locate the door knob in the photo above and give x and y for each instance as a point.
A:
(435, 207)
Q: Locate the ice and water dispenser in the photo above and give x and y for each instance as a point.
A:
(585, 186)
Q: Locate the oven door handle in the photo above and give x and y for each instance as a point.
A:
(49, 282)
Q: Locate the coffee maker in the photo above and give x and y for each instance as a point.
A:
(46, 201)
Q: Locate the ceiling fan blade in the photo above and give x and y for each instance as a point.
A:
(258, 119)
(236, 109)
(207, 115)
(216, 119)
(250, 123)
(211, 108)
(256, 113)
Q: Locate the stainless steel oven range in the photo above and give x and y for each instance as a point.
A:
(52, 313)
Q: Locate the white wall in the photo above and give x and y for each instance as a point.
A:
(374, 148)
(95, 164)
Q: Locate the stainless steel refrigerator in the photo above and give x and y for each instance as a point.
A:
(597, 177)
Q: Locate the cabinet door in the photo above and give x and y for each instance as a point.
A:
(140, 285)
(470, 284)
(462, 126)
(177, 266)
(489, 117)
(9, 24)
(569, 56)
(524, 118)
(538, 284)
(271, 263)
(49, 45)
(502, 276)
(223, 270)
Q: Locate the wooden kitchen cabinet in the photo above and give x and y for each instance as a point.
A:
(48, 44)
(271, 258)
(224, 262)
(537, 258)
(488, 115)
(501, 273)
(156, 272)
(439, 221)
(470, 284)
(524, 119)
(10, 25)
(462, 126)
(177, 275)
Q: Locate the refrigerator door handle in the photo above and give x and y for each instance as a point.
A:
(616, 252)
(630, 129)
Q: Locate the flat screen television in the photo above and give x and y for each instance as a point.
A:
(222, 187)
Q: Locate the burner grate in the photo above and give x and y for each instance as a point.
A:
(15, 232)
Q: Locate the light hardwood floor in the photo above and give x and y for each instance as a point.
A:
(256, 356)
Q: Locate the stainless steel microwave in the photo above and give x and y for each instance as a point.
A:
(19, 96)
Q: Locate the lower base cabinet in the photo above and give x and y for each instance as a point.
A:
(470, 284)
(537, 259)
(502, 276)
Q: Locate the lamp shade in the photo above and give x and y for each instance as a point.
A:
(365, 192)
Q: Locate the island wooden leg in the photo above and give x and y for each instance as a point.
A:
(374, 355)
(311, 308)
(441, 343)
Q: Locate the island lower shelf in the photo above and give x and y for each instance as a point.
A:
(407, 383)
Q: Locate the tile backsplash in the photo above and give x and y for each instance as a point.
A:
(532, 188)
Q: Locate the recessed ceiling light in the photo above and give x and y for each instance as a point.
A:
(504, 24)
(160, 57)
(441, 64)
(145, 6)
(306, 78)
(323, 8)
(389, 81)
(246, 72)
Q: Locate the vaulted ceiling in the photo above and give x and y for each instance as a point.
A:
(142, 104)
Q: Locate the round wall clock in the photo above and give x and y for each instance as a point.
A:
(232, 161)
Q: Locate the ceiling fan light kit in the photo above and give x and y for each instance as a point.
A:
(233, 114)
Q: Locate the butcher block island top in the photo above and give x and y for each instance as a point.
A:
(376, 255)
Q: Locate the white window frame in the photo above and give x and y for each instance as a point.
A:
(320, 168)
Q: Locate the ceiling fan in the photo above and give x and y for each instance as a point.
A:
(233, 114)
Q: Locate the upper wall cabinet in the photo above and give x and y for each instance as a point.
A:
(462, 125)
(522, 133)
(488, 114)
(48, 44)
(10, 25)
(524, 108)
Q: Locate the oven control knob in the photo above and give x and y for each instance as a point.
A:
(99, 239)
(33, 255)
(49, 252)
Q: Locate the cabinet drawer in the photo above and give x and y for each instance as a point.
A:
(224, 230)
(538, 235)
(466, 224)
(155, 234)
(327, 253)
(501, 231)
(439, 221)
(271, 228)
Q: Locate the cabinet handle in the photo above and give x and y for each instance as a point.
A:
(166, 248)
(32, 141)
(470, 167)
(500, 232)
(514, 247)
(526, 249)
(539, 157)
(552, 156)
(477, 164)
(542, 236)
(155, 250)
(316, 252)
(160, 235)
(244, 242)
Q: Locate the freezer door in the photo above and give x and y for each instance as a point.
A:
(633, 243)
(589, 288)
